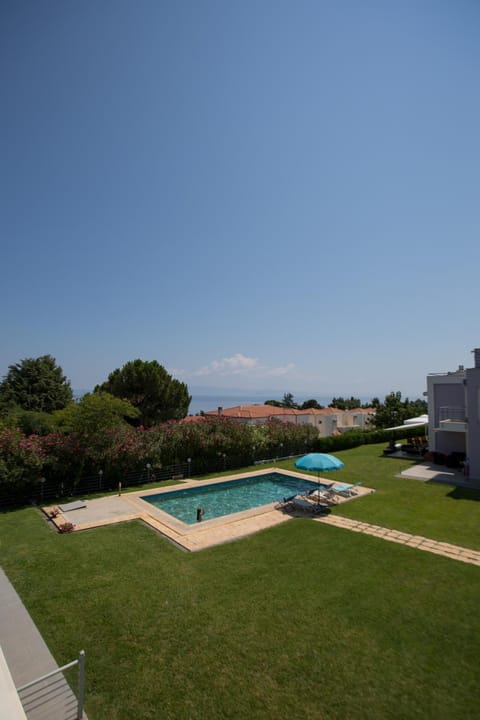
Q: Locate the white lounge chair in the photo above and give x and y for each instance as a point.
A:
(346, 490)
(327, 495)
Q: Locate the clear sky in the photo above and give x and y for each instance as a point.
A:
(258, 194)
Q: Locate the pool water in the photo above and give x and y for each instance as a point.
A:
(230, 497)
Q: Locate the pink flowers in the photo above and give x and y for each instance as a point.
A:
(66, 527)
(18, 448)
(64, 457)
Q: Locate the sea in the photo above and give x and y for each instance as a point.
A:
(206, 403)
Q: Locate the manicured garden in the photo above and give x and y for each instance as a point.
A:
(299, 621)
(438, 511)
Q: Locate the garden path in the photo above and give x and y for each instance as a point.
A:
(454, 552)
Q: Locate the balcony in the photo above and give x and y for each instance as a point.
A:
(452, 419)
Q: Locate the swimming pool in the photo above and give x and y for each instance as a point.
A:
(229, 497)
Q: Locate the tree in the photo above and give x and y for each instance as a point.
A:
(36, 384)
(308, 404)
(288, 401)
(344, 404)
(394, 411)
(150, 389)
(94, 414)
(35, 423)
(95, 422)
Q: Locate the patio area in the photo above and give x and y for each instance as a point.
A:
(430, 472)
(113, 509)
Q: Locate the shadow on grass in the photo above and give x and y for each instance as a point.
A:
(461, 493)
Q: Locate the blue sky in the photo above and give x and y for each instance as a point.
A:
(259, 195)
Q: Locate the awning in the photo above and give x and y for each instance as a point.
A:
(408, 426)
(417, 420)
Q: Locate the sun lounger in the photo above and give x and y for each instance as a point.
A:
(301, 504)
(346, 490)
(76, 505)
(296, 502)
(326, 496)
(285, 503)
(308, 506)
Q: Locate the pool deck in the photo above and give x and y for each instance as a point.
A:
(429, 472)
(130, 506)
(113, 509)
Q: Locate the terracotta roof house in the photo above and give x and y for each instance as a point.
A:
(328, 421)
(254, 414)
(355, 419)
(192, 419)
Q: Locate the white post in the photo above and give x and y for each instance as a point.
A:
(81, 683)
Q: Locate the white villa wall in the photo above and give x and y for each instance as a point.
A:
(353, 420)
(314, 419)
(473, 410)
(444, 390)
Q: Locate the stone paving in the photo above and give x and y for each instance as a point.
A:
(454, 552)
(188, 537)
(429, 472)
(131, 506)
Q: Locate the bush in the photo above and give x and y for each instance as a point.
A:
(66, 527)
(354, 438)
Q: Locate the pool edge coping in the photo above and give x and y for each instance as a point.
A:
(201, 535)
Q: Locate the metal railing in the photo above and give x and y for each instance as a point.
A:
(448, 412)
(47, 490)
(80, 661)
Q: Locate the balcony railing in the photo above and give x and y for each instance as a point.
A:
(457, 413)
(452, 419)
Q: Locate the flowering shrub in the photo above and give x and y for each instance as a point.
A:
(21, 456)
(66, 456)
(66, 527)
(211, 439)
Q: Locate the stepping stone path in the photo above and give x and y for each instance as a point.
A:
(454, 552)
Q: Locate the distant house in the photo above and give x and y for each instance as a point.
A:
(355, 419)
(454, 414)
(189, 419)
(254, 414)
(328, 421)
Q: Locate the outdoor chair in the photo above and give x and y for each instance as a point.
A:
(285, 503)
(354, 492)
(327, 495)
(299, 503)
(346, 490)
(309, 507)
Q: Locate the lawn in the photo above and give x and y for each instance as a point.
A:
(435, 510)
(299, 621)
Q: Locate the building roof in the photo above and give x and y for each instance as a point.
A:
(252, 411)
(257, 412)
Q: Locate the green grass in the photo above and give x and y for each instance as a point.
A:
(299, 621)
(436, 510)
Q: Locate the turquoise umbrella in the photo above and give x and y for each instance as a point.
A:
(320, 462)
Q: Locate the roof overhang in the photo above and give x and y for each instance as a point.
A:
(408, 426)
